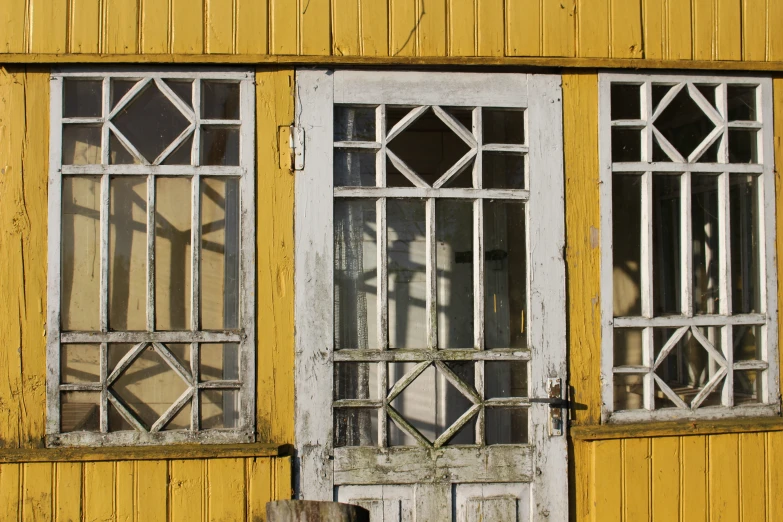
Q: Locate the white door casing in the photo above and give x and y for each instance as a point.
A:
(431, 480)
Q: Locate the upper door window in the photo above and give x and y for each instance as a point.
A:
(688, 251)
(151, 312)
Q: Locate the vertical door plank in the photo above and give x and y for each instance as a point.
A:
(186, 490)
(345, 33)
(523, 19)
(580, 478)
(374, 17)
(37, 491)
(626, 25)
(754, 30)
(316, 27)
(154, 29)
(774, 21)
(226, 489)
(593, 28)
(187, 27)
(403, 27)
(284, 20)
(48, 22)
(260, 478)
(752, 476)
(490, 28)
(252, 27)
(432, 28)
(120, 31)
(774, 475)
(99, 490)
(724, 477)
(666, 498)
(84, 26)
(679, 31)
(606, 481)
(654, 29)
(283, 484)
(10, 479)
(68, 483)
(124, 490)
(559, 28)
(703, 29)
(219, 26)
(729, 40)
(462, 27)
(151, 489)
(12, 27)
(693, 468)
(636, 478)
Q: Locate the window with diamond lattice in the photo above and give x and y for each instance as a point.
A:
(688, 195)
(151, 243)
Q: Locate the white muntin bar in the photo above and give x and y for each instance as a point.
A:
(432, 275)
(195, 153)
(104, 253)
(676, 169)
(105, 110)
(648, 356)
(478, 134)
(195, 253)
(150, 253)
(104, 374)
(646, 254)
(686, 246)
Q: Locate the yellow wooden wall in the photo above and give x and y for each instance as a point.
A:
(649, 29)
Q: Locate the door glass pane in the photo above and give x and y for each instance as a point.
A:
(504, 379)
(503, 126)
(355, 427)
(219, 362)
(706, 243)
(667, 261)
(626, 243)
(219, 100)
(506, 425)
(745, 244)
(81, 145)
(354, 123)
(454, 236)
(80, 411)
(356, 380)
(82, 98)
(79, 363)
(219, 409)
(354, 168)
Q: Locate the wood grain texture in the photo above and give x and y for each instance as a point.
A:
(693, 470)
(37, 492)
(260, 479)
(729, 30)
(431, 30)
(594, 23)
(151, 490)
(84, 26)
(187, 490)
(606, 481)
(99, 487)
(10, 486)
(403, 25)
(654, 27)
(13, 26)
(626, 30)
(679, 31)
(68, 494)
(704, 35)
(47, 21)
(187, 26)
(774, 476)
(155, 26)
(752, 494)
(252, 27)
(345, 27)
(120, 29)
(754, 29)
(489, 22)
(636, 479)
(219, 31)
(774, 38)
(125, 491)
(462, 27)
(559, 28)
(523, 27)
(227, 492)
(723, 477)
(374, 20)
(665, 478)
(284, 30)
(315, 27)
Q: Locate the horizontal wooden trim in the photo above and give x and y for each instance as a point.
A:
(676, 428)
(190, 451)
(250, 59)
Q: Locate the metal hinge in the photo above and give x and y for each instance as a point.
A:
(291, 147)
(297, 147)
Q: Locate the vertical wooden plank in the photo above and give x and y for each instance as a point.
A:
(151, 489)
(37, 491)
(219, 26)
(283, 484)
(729, 30)
(154, 30)
(252, 27)
(48, 23)
(226, 489)
(10, 485)
(775, 37)
(345, 27)
(666, 498)
(187, 490)
(316, 29)
(187, 27)
(403, 24)
(693, 487)
(679, 30)
(260, 475)
(636, 478)
(432, 28)
(275, 276)
(98, 490)
(654, 29)
(753, 462)
(703, 29)
(754, 30)
(491, 37)
(774, 475)
(724, 477)
(284, 29)
(523, 27)
(13, 26)
(462, 27)
(593, 28)
(580, 485)
(559, 28)
(84, 26)
(68, 484)
(125, 491)
(606, 481)
(120, 30)
(626, 25)
(374, 19)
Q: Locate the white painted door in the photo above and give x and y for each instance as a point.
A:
(430, 294)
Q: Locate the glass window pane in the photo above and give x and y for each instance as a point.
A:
(748, 343)
(503, 171)
(81, 203)
(219, 409)
(748, 387)
(505, 275)
(626, 244)
(745, 244)
(626, 144)
(628, 392)
(741, 102)
(119, 88)
(506, 425)
(354, 123)
(219, 145)
(219, 100)
(504, 379)
(172, 253)
(503, 126)
(119, 154)
(667, 261)
(219, 362)
(81, 145)
(82, 98)
(80, 411)
(354, 168)
(628, 347)
(128, 253)
(407, 286)
(743, 146)
(219, 292)
(706, 243)
(80, 363)
(454, 255)
(182, 155)
(626, 102)
(683, 123)
(117, 422)
(355, 427)
(181, 420)
(355, 274)
(356, 380)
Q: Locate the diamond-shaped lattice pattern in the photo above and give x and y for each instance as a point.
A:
(683, 123)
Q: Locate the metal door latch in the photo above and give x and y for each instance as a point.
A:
(557, 403)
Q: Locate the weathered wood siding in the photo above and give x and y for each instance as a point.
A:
(645, 29)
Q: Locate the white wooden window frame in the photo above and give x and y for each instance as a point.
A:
(725, 319)
(244, 335)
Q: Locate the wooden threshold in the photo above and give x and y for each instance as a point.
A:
(188, 451)
(675, 428)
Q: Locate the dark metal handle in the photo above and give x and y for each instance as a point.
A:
(555, 402)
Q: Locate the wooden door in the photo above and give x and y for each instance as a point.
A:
(430, 294)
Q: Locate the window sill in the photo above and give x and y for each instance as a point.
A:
(676, 428)
(190, 451)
